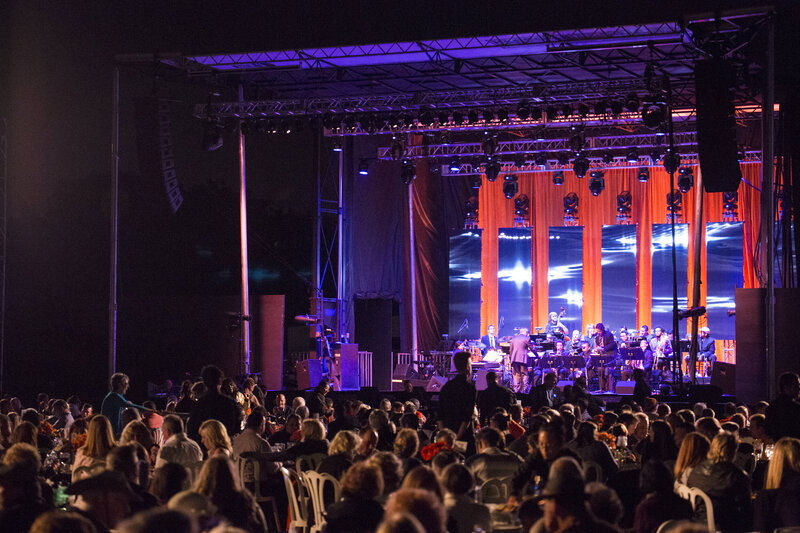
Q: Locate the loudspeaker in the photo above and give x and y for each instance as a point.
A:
(480, 379)
(625, 387)
(716, 126)
(400, 371)
(309, 373)
(347, 359)
(268, 337)
(564, 382)
(373, 331)
(724, 377)
(705, 393)
(435, 384)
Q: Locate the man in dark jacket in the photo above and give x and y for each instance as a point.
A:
(214, 405)
(457, 401)
(783, 414)
(546, 394)
(493, 397)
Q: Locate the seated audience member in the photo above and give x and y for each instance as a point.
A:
(491, 461)
(391, 471)
(369, 440)
(26, 433)
(43, 442)
(406, 446)
(159, 520)
(341, 419)
(21, 499)
(588, 448)
(422, 477)
(777, 505)
(284, 435)
(357, 511)
(783, 414)
(168, 480)
(660, 444)
(758, 429)
(708, 427)
(379, 421)
(544, 448)
(214, 406)
(105, 499)
(99, 441)
(604, 503)
(726, 485)
(693, 451)
(215, 439)
(312, 441)
(28, 457)
(177, 448)
(461, 508)
(660, 502)
(125, 460)
(217, 482)
(442, 460)
(62, 417)
(198, 506)
(340, 454)
(137, 432)
(60, 521)
(400, 523)
(418, 502)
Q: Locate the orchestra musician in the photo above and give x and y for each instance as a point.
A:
(574, 344)
(605, 344)
(644, 332)
(520, 346)
(647, 358)
(490, 347)
(589, 337)
(706, 351)
(623, 339)
(662, 349)
(554, 324)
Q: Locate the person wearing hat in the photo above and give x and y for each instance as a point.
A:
(105, 499)
(563, 501)
(706, 350)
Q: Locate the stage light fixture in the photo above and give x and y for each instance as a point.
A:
(685, 179)
(425, 116)
(286, 126)
(644, 174)
(540, 160)
(476, 181)
(558, 177)
(672, 161)
(674, 201)
(363, 167)
(472, 116)
(212, 136)
(655, 155)
(488, 115)
(654, 114)
(616, 107)
(455, 164)
(397, 149)
(571, 204)
(489, 144)
(597, 183)
(522, 205)
(741, 155)
(608, 158)
(730, 201)
(583, 110)
(407, 171)
(458, 118)
(510, 186)
(472, 206)
(632, 156)
(632, 102)
(624, 202)
(523, 110)
(563, 159)
(580, 165)
(492, 170)
(502, 114)
(337, 145)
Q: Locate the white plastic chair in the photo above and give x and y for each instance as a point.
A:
(494, 490)
(309, 462)
(315, 484)
(692, 494)
(298, 499)
(250, 463)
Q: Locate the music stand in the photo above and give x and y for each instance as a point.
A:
(546, 346)
(602, 360)
(635, 354)
(549, 362)
(573, 362)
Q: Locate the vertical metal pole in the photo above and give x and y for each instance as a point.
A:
(412, 256)
(677, 375)
(4, 229)
(698, 239)
(244, 356)
(340, 254)
(112, 290)
(767, 202)
(318, 249)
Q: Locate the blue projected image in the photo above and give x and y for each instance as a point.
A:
(619, 276)
(514, 279)
(661, 251)
(565, 274)
(465, 284)
(724, 267)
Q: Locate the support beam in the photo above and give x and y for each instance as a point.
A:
(113, 270)
(767, 205)
(244, 354)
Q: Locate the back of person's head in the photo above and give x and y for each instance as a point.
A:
(461, 361)
(158, 520)
(168, 480)
(410, 421)
(687, 415)
(490, 438)
(212, 376)
(693, 451)
(739, 419)
(172, 424)
(662, 410)
(344, 443)
(25, 432)
(586, 433)
(216, 479)
(100, 437)
(400, 523)
(604, 502)
(655, 478)
(708, 426)
(312, 429)
(136, 431)
(406, 443)
(418, 502)
(362, 480)
(758, 421)
(445, 435)
(378, 420)
(723, 448)
(491, 377)
(785, 458)
(650, 404)
(499, 421)
(787, 383)
(708, 413)
(457, 479)
(423, 477)
(25, 455)
(62, 522)
(442, 460)
(216, 434)
(124, 459)
(391, 469)
(31, 415)
(254, 420)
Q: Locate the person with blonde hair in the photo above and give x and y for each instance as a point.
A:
(136, 431)
(777, 505)
(312, 441)
(218, 482)
(215, 438)
(401, 523)
(693, 451)
(99, 441)
(406, 446)
(429, 511)
(726, 484)
(340, 453)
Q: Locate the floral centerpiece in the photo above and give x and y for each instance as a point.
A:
(429, 452)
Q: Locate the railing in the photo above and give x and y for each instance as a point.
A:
(365, 369)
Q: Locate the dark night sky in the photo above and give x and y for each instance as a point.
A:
(56, 60)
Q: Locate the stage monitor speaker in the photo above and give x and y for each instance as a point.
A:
(347, 359)
(435, 384)
(309, 373)
(401, 371)
(625, 387)
(724, 377)
(705, 393)
(716, 126)
(480, 379)
(564, 382)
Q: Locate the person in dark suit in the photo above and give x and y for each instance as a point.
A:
(520, 346)
(457, 401)
(489, 341)
(494, 396)
(546, 394)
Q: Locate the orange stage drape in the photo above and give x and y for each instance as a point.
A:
(649, 207)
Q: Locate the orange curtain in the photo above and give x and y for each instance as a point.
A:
(649, 207)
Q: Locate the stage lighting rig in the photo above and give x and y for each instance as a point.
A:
(476, 181)
(488, 115)
(608, 158)
(212, 136)
(472, 206)
(540, 160)
(425, 116)
(489, 144)
(654, 113)
(674, 201)
(577, 138)
(442, 118)
(644, 174)
(580, 165)
(337, 147)
(624, 201)
(583, 110)
(502, 114)
(458, 118)
(616, 107)
(510, 186)
(363, 167)
(472, 116)
(571, 204)
(685, 179)
(563, 159)
(672, 161)
(558, 177)
(522, 206)
(536, 113)
(730, 201)
(455, 164)
(596, 182)
(492, 170)
(632, 102)
(397, 149)
(655, 155)
(552, 112)
(632, 156)
(523, 110)
(408, 172)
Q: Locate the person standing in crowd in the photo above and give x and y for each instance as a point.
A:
(457, 401)
(114, 402)
(783, 414)
(520, 346)
(494, 396)
(214, 405)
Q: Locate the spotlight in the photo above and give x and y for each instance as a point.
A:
(472, 117)
(540, 160)
(396, 150)
(730, 200)
(407, 171)
(523, 110)
(472, 206)
(502, 114)
(571, 204)
(510, 186)
(212, 137)
(685, 179)
(563, 159)
(489, 144)
(644, 174)
(558, 177)
(632, 156)
(577, 139)
(488, 115)
(580, 165)
(654, 113)
(337, 146)
(492, 170)
(624, 202)
(455, 164)
(363, 167)
(655, 155)
(522, 205)
(476, 181)
(632, 102)
(672, 161)
(608, 158)
(597, 183)
(674, 201)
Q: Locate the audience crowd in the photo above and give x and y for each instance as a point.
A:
(227, 457)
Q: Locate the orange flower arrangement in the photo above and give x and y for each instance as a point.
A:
(428, 452)
(46, 429)
(79, 440)
(608, 438)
